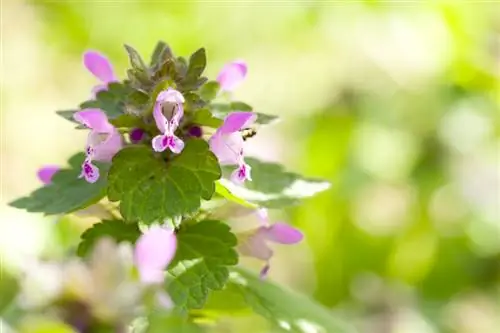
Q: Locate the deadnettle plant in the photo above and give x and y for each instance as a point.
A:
(165, 150)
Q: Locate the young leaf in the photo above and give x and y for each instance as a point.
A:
(204, 251)
(116, 229)
(204, 117)
(161, 53)
(273, 187)
(135, 59)
(67, 192)
(151, 189)
(285, 308)
(68, 115)
(112, 101)
(192, 79)
(209, 90)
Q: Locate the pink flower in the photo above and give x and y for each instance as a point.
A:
(46, 173)
(254, 243)
(154, 250)
(103, 142)
(232, 75)
(168, 112)
(101, 68)
(227, 144)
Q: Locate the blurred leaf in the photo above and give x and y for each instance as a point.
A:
(151, 189)
(224, 192)
(9, 287)
(116, 229)
(161, 323)
(45, 325)
(161, 53)
(209, 90)
(272, 186)
(126, 121)
(68, 114)
(193, 101)
(197, 64)
(221, 110)
(67, 192)
(228, 301)
(204, 117)
(204, 251)
(284, 307)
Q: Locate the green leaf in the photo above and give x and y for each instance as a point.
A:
(161, 53)
(193, 101)
(226, 193)
(161, 323)
(67, 192)
(272, 186)
(151, 189)
(116, 229)
(126, 121)
(203, 253)
(9, 287)
(204, 117)
(221, 110)
(197, 64)
(135, 59)
(209, 90)
(285, 308)
(112, 101)
(68, 115)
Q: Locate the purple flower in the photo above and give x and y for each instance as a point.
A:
(136, 135)
(227, 144)
(46, 173)
(154, 250)
(254, 243)
(103, 142)
(101, 68)
(168, 112)
(231, 75)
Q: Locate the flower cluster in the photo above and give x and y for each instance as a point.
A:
(159, 144)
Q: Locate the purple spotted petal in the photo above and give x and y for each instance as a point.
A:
(168, 123)
(46, 173)
(282, 233)
(154, 250)
(99, 65)
(176, 145)
(227, 147)
(236, 121)
(94, 119)
(90, 172)
(105, 146)
(162, 142)
(241, 174)
(232, 75)
(159, 143)
(160, 119)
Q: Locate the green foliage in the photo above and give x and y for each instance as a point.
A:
(204, 251)
(204, 117)
(160, 323)
(273, 187)
(116, 229)
(209, 90)
(67, 192)
(221, 110)
(112, 101)
(151, 189)
(285, 308)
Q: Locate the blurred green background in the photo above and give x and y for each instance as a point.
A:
(396, 103)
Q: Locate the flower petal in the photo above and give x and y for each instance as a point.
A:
(241, 174)
(232, 75)
(160, 119)
(105, 150)
(236, 121)
(99, 65)
(46, 173)
(176, 145)
(90, 172)
(254, 245)
(227, 147)
(159, 143)
(170, 96)
(154, 250)
(282, 233)
(94, 119)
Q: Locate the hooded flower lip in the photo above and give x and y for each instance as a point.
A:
(103, 141)
(167, 113)
(227, 144)
(231, 75)
(101, 68)
(154, 250)
(255, 243)
(46, 173)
